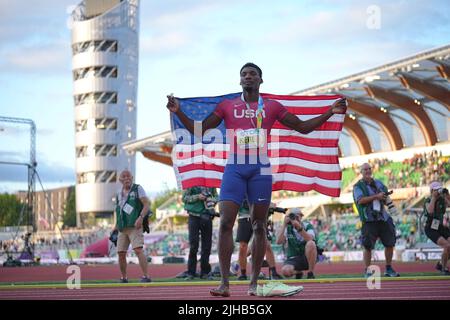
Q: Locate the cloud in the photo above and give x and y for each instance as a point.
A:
(48, 172)
(163, 43)
(345, 24)
(52, 58)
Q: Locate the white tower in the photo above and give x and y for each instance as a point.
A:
(105, 77)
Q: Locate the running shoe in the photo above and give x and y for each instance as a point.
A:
(262, 276)
(445, 272)
(220, 292)
(277, 289)
(252, 291)
(310, 275)
(145, 279)
(439, 266)
(391, 273)
(367, 273)
(123, 280)
(242, 277)
(275, 276)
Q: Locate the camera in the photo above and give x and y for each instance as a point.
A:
(292, 216)
(114, 236)
(443, 191)
(272, 210)
(391, 208)
(210, 203)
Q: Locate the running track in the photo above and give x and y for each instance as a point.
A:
(341, 290)
(403, 288)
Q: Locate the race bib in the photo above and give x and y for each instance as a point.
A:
(250, 139)
(435, 224)
(127, 208)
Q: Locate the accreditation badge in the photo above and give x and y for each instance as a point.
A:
(435, 224)
(127, 208)
(250, 139)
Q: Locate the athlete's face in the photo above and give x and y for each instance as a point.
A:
(250, 78)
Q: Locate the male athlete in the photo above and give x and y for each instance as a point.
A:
(249, 120)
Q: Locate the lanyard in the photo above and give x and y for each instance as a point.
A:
(258, 112)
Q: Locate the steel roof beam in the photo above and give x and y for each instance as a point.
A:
(427, 89)
(407, 103)
(383, 119)
(358, 133)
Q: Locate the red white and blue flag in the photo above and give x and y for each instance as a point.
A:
(300, 162)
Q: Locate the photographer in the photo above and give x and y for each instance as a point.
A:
(244, 237)
(434, 209)
(199, 203)
(301, 246)
(132, 205)
(370, 197)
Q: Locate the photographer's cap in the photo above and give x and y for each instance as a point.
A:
(296, 211)
(435, 185)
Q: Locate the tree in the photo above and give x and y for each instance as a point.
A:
(10, 208)
(70, 212)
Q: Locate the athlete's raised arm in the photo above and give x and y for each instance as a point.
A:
(210, 122)
(304, 127)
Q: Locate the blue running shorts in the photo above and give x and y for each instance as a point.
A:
(240, 180)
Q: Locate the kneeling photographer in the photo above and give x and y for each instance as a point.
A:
(434, 209)
(301, 246)
(199, 203)
(371, 198)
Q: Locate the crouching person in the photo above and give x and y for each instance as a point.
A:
(301, 246)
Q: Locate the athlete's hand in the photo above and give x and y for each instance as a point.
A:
(173, 104)
(339, 107)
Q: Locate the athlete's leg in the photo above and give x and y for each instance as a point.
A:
(228, 213)
(259, 222)
(243, 257)
(232, 193)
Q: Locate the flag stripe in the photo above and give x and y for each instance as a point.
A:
(307, 172)
(217, 157)
(299, 187)
(328, 126)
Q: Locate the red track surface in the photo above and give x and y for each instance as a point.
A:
(390, 290)
(350, 290)
(111, 272)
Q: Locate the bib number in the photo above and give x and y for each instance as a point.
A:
(250, 139)
(435, 224)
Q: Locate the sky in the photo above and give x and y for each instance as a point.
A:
(192, 48)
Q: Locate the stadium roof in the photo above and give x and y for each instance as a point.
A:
(402, 104)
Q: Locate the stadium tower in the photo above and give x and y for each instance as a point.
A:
(105, 77)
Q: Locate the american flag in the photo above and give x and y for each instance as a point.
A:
(300, 162)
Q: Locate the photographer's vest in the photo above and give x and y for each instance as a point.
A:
(365, 210)
(295, 242)
(439, 211)
(134, 207)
